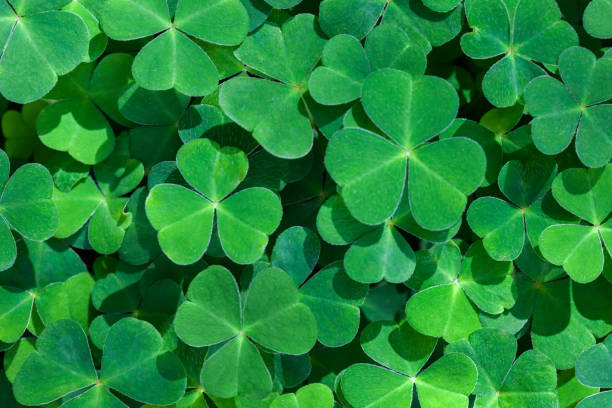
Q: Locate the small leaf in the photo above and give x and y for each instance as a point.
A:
(212, 170)
(61, 364)
(135, 364)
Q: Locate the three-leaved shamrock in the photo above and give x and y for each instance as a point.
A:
(372, 170)
(186, 66)
(270, 315)
(184, 218)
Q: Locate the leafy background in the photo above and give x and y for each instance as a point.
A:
(302, 204)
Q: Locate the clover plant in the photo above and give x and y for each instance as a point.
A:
(305, 204)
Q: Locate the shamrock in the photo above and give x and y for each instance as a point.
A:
(25, 206)
(502, 225)
(578, 248)
(101, 203)
(275, 110)
(444, 304)
(438, 180)
(345, 64)
(524, 32)
(377, 252)
(272, 316)
(574, 107)
(97, 39)
(184, 218)
(133, 363)
(76, 124)
(529, 381)
(56, 42)
(332, 296)
(403, 352)
(188, 68)
(597, 17)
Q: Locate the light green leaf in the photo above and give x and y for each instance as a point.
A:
(370, 386)
(186, 67)
(61, 364)
(397, 346)
(245, 220)
(594, 365)
(296, 251)
(388, 46)
(353, 17)
(447, 382)
(183, 220)
(334, 300)
(135, 363)
(212, 170)
(57, 42)
(584, 192)
(500, 225)
(380, 254)
(344, 68)
(440, 177)
(597, 17)
(15, 310)
(427, 27)
(349, 152)
(410, 109)
(129, 19)
(274, 316)
(26, 202)
(272, 111)
(218, 22)
(236, 368)
(213, 303)
(487, 282)
(287, 53)
(576, 247)
(442, 311)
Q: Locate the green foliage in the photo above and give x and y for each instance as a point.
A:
(306, 204)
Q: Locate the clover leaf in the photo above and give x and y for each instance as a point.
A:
(75, 124)
(345, 64)
(184, 230)
(103, 203)
(524, 33)
(57, 42)
(398, 347)
(592, 369)
(25, 207)
(429, 28)
(311, 395)
(482, 281)
(275, 112)
(334, 300)
(133, 364)
(355, 18)
(189, 70)
(271, 316)
(529, 381)
(597, 16)
(502, 225)
(429, 173)
(577, 108)
(578, 248)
